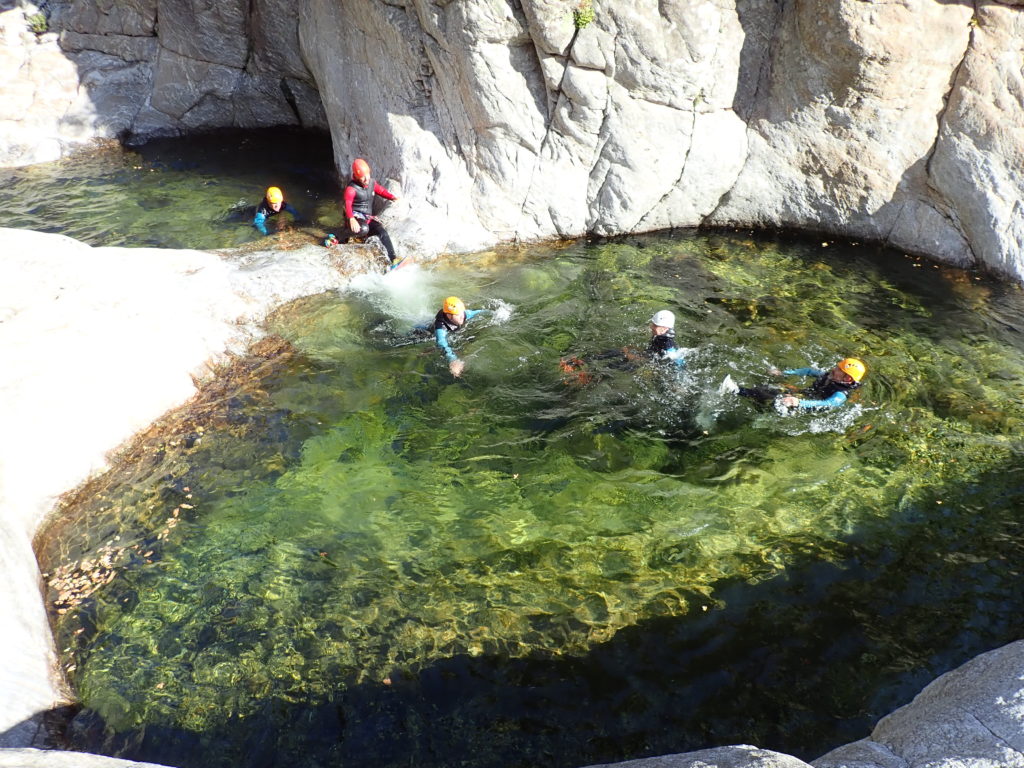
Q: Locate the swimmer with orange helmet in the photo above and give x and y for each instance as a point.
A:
(273, 203)
(358, 202)
(450, 319)
(830, 389)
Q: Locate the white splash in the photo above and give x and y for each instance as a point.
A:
(728, 386)
(409, 295)
(501, 312)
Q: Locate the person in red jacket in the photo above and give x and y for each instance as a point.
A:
(358, 201)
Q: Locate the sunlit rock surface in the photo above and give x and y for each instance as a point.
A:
(971, 717)
(96, 344)
(901, 122)
(721, 757)
(36, 758)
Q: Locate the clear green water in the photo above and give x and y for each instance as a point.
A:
(347, 558)
(199, 192)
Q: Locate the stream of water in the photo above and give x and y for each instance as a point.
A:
(346, 557)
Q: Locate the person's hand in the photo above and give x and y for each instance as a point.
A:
(790, 402)
(774, 371)
(395, 199)
(456, 366)
(353, 224)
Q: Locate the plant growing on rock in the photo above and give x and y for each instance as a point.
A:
(583, 14)
(38, 23)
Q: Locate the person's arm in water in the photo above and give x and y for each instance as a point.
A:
(833, 401)
(664, 348)
(441, 338)
(291, 209)
(260, 222)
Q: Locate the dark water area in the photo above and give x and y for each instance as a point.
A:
(343, 556)
(200, 192)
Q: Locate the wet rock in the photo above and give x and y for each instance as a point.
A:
(722, 757)
(776, 116)
(218, 304)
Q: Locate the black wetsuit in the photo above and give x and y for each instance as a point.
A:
(264, 212)
(664, 347)
(361, 201)
(825, 392)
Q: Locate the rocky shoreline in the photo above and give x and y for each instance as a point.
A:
(98, 343)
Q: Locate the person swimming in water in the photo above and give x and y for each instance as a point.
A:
(663, 338)
(452, 318)
(273, 203)
(662, 347)
(830, 389)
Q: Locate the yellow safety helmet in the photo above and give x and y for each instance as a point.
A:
(274, 195)
(453, 306)
(853, 368)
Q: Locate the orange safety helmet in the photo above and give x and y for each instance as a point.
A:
(453, 306)
(274, 195)
(853, 368)
(360, 168)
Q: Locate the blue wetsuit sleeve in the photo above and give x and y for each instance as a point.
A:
(677, 357)
(835, 400)
(441, 337)
(260, 222)
(803, 372)
(291, 209)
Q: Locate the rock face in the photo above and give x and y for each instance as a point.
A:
(970, 717)
(722, 757)
(902, 122)
(37, 758)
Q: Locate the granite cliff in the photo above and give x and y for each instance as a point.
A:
(900, 122)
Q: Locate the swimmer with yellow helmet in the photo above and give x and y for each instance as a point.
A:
(273, 203)
(450, 319)
(830, 389)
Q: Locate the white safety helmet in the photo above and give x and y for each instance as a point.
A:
(664, 318)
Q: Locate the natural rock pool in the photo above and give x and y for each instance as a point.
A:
(199, 192)
(342, 556)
